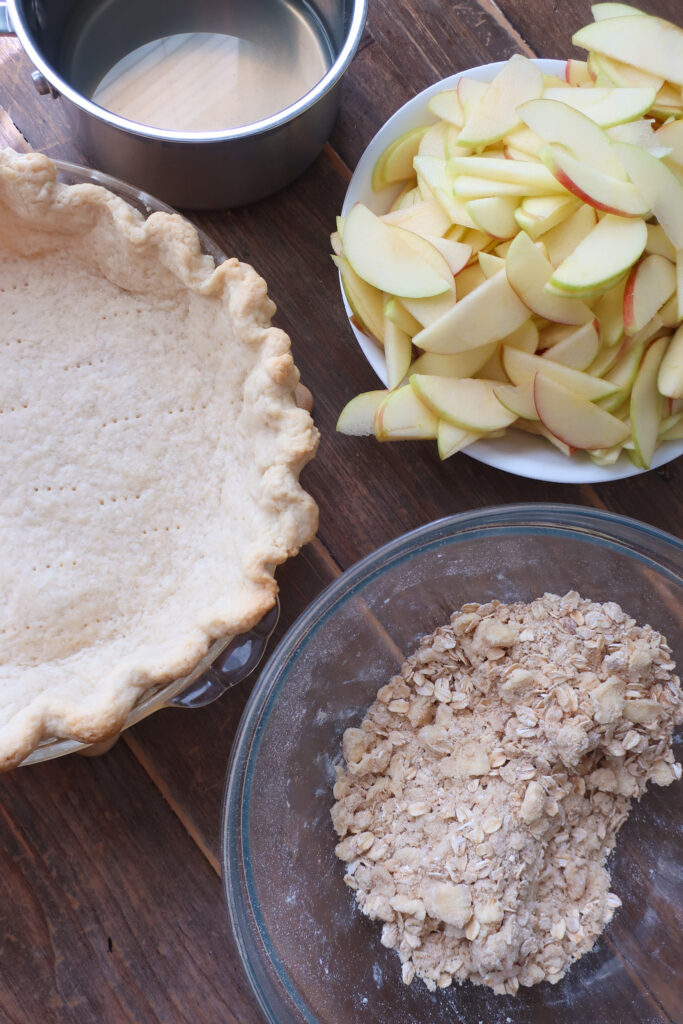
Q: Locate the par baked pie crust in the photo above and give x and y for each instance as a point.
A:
(150, 447)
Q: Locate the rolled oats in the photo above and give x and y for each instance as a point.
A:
(480, 798)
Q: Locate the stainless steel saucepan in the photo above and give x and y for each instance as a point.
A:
(270, 46)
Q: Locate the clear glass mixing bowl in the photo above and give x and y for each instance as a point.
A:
(308, 953)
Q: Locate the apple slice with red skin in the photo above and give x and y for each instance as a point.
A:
(556, 122)
(670, 376)
(579, 349)
(592, 186)
(574, 420)
(426, 218)
(528, 271)
(467, 402)
(646, 403)
(614, 245)
(576, 73)
(357, 418)
(521, 368)
(659, 187)
(487, 314)
(649, 285)
(647, 43)
(403, 417)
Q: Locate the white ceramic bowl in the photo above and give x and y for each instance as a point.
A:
(518, 453)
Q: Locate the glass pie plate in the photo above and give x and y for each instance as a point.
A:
(309, 954)
(229, 660)
(516, 452)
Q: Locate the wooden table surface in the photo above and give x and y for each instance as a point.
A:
(110, 897)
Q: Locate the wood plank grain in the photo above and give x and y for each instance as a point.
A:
(108, 910)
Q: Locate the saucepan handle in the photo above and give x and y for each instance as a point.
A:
(233, 664)
(5, 24)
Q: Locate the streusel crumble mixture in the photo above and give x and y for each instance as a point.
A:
(484, 789)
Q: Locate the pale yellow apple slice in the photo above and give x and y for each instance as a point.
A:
(535, 427)
(518, 399)
(614, 72)
(670, 136)
(574, 420)
(638, 133)
(398, 353)
(487, 314)
(657, 242)
(667, 103)
(403, 417)
(496, 114)
(456, 254)
(424, 218)
(538, 214)
(613, 10)
(468, 403)
(407, 198)
(551, 334)
(672, 428)
(528, 271)
(396, 311)
(623, 373)
(452, 439)
(364, 300)
(470, 278)
(658, 185)
(651, 44)
(670, 376)
(646, 403)
(649, 285)
(357, 418)
(433, 171)
(609, 310)
(533, 176)
(495, 215)
(447, 106)
(679, 281)
(524, 140)
(490, 264)
(576, 73)
(395, 163)
(428, 311)
(671, 317)
(521, 368)
(455, 364)
(555, 122)
(592, 186)
(604, 361)
(614, 245)
(468, 186)
(433, 142)
(470, 91)
(392, 259)
(561, 240)
(606, 107)
(578, 350)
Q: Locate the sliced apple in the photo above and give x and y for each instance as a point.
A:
(606, 107)
(487, 314)
(578, 350)
(470, 91)
(614, 72)
(401, 416)
(454, 364)
(523, 140)
(649, 285)
(398, 352)
(452, 439)
(490, 264)
(658, 185)
(364, 300)
(667, 103)
(535, 178)
(551, 334)
(679, 281)
(658, 243)
(623, 374)
(671, 137)
(539, 214)
(495, 215)
(670, 376)
(561, 240)
(470, 278)
(672, 428)
(357, 418)
(609, 310)
(650, 44)
(528, 271)
(614, 245)
(555, 122)
(574, 420)
(424, 218)
(433, 171)
(396, 311)
(518, 399)
(466, 402)
(646, 403)
(392, 259)
(576, 73)
(447, 106)
(496, 114)
(521, 369)
(395, 163)
(592, 186)
(613, 10)
(428, 311)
